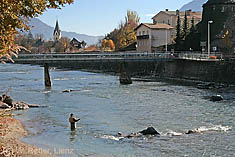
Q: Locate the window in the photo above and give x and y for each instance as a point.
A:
(223, 9)
(147, 32)
(213, 8)
(168, 22)
(139, 32)
(154, 21)
(143, 32)
(232, 9)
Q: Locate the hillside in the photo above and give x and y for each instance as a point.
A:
(195, 5)
(38, 27)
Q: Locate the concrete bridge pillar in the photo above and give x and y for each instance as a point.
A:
(47, 78)
(124, 77)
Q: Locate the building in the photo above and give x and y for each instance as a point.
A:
(170, 17)
(222, 25)
(57, 32)
(151, 36)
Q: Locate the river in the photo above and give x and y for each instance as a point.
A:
(106, 108)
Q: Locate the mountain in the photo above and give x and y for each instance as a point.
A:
(39, 27)
(195, 5)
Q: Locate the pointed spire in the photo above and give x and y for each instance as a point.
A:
(57, 32)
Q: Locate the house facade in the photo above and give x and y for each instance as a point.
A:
(170, 17)
(151, 36)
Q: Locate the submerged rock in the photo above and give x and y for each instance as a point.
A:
(216, 98)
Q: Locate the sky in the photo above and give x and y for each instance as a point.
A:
(99, 17)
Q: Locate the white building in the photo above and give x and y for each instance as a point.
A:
(170, 17)
(151, 36)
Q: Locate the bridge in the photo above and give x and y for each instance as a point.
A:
(181, 65)
(136, 63)
(61, 58)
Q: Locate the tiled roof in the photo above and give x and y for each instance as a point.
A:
(155, 26)
(181, 13)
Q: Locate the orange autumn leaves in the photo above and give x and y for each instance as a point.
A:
(108, 45)
(14, 15)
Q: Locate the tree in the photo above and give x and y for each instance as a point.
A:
(132, 19)
(125, 34)
(192, 40)
(14, 15)
(65, 43)
(192, 29)
(108, 44)
(185, 26)
(111, 44)
(178, 38)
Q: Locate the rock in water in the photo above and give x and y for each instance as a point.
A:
(7, 99)
(4, 105)
(20, 105)
(149, 131)
(216, 98)
(33, 105)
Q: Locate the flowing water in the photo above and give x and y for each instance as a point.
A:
(106, 108)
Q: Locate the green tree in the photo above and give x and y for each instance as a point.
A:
(14, 15)
(178, 39)
(192, 28)
(192, 40)
(185, 26)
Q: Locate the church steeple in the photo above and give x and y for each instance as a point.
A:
(57, 32)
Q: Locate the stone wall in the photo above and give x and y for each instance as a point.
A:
(208, 71)
(219, 72)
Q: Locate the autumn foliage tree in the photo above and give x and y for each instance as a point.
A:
(125, 34)
(107, 44)
(14, 15)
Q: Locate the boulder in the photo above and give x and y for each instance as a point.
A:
(4, 105)
(7, 99)
(149, 131)
(216, 98)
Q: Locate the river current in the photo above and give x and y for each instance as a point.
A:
(106, 108)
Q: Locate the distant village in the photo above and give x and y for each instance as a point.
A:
(169, 31)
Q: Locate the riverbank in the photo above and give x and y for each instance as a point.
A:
(11, 130)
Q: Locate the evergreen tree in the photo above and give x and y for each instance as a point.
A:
(192, 40)
(178, 38)
(192, 28)
(185, 26)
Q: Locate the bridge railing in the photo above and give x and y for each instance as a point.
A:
(96, 56)
(200, 56)
(122, 55)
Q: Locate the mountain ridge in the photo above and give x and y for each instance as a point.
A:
(195, 5)
(39, 27)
